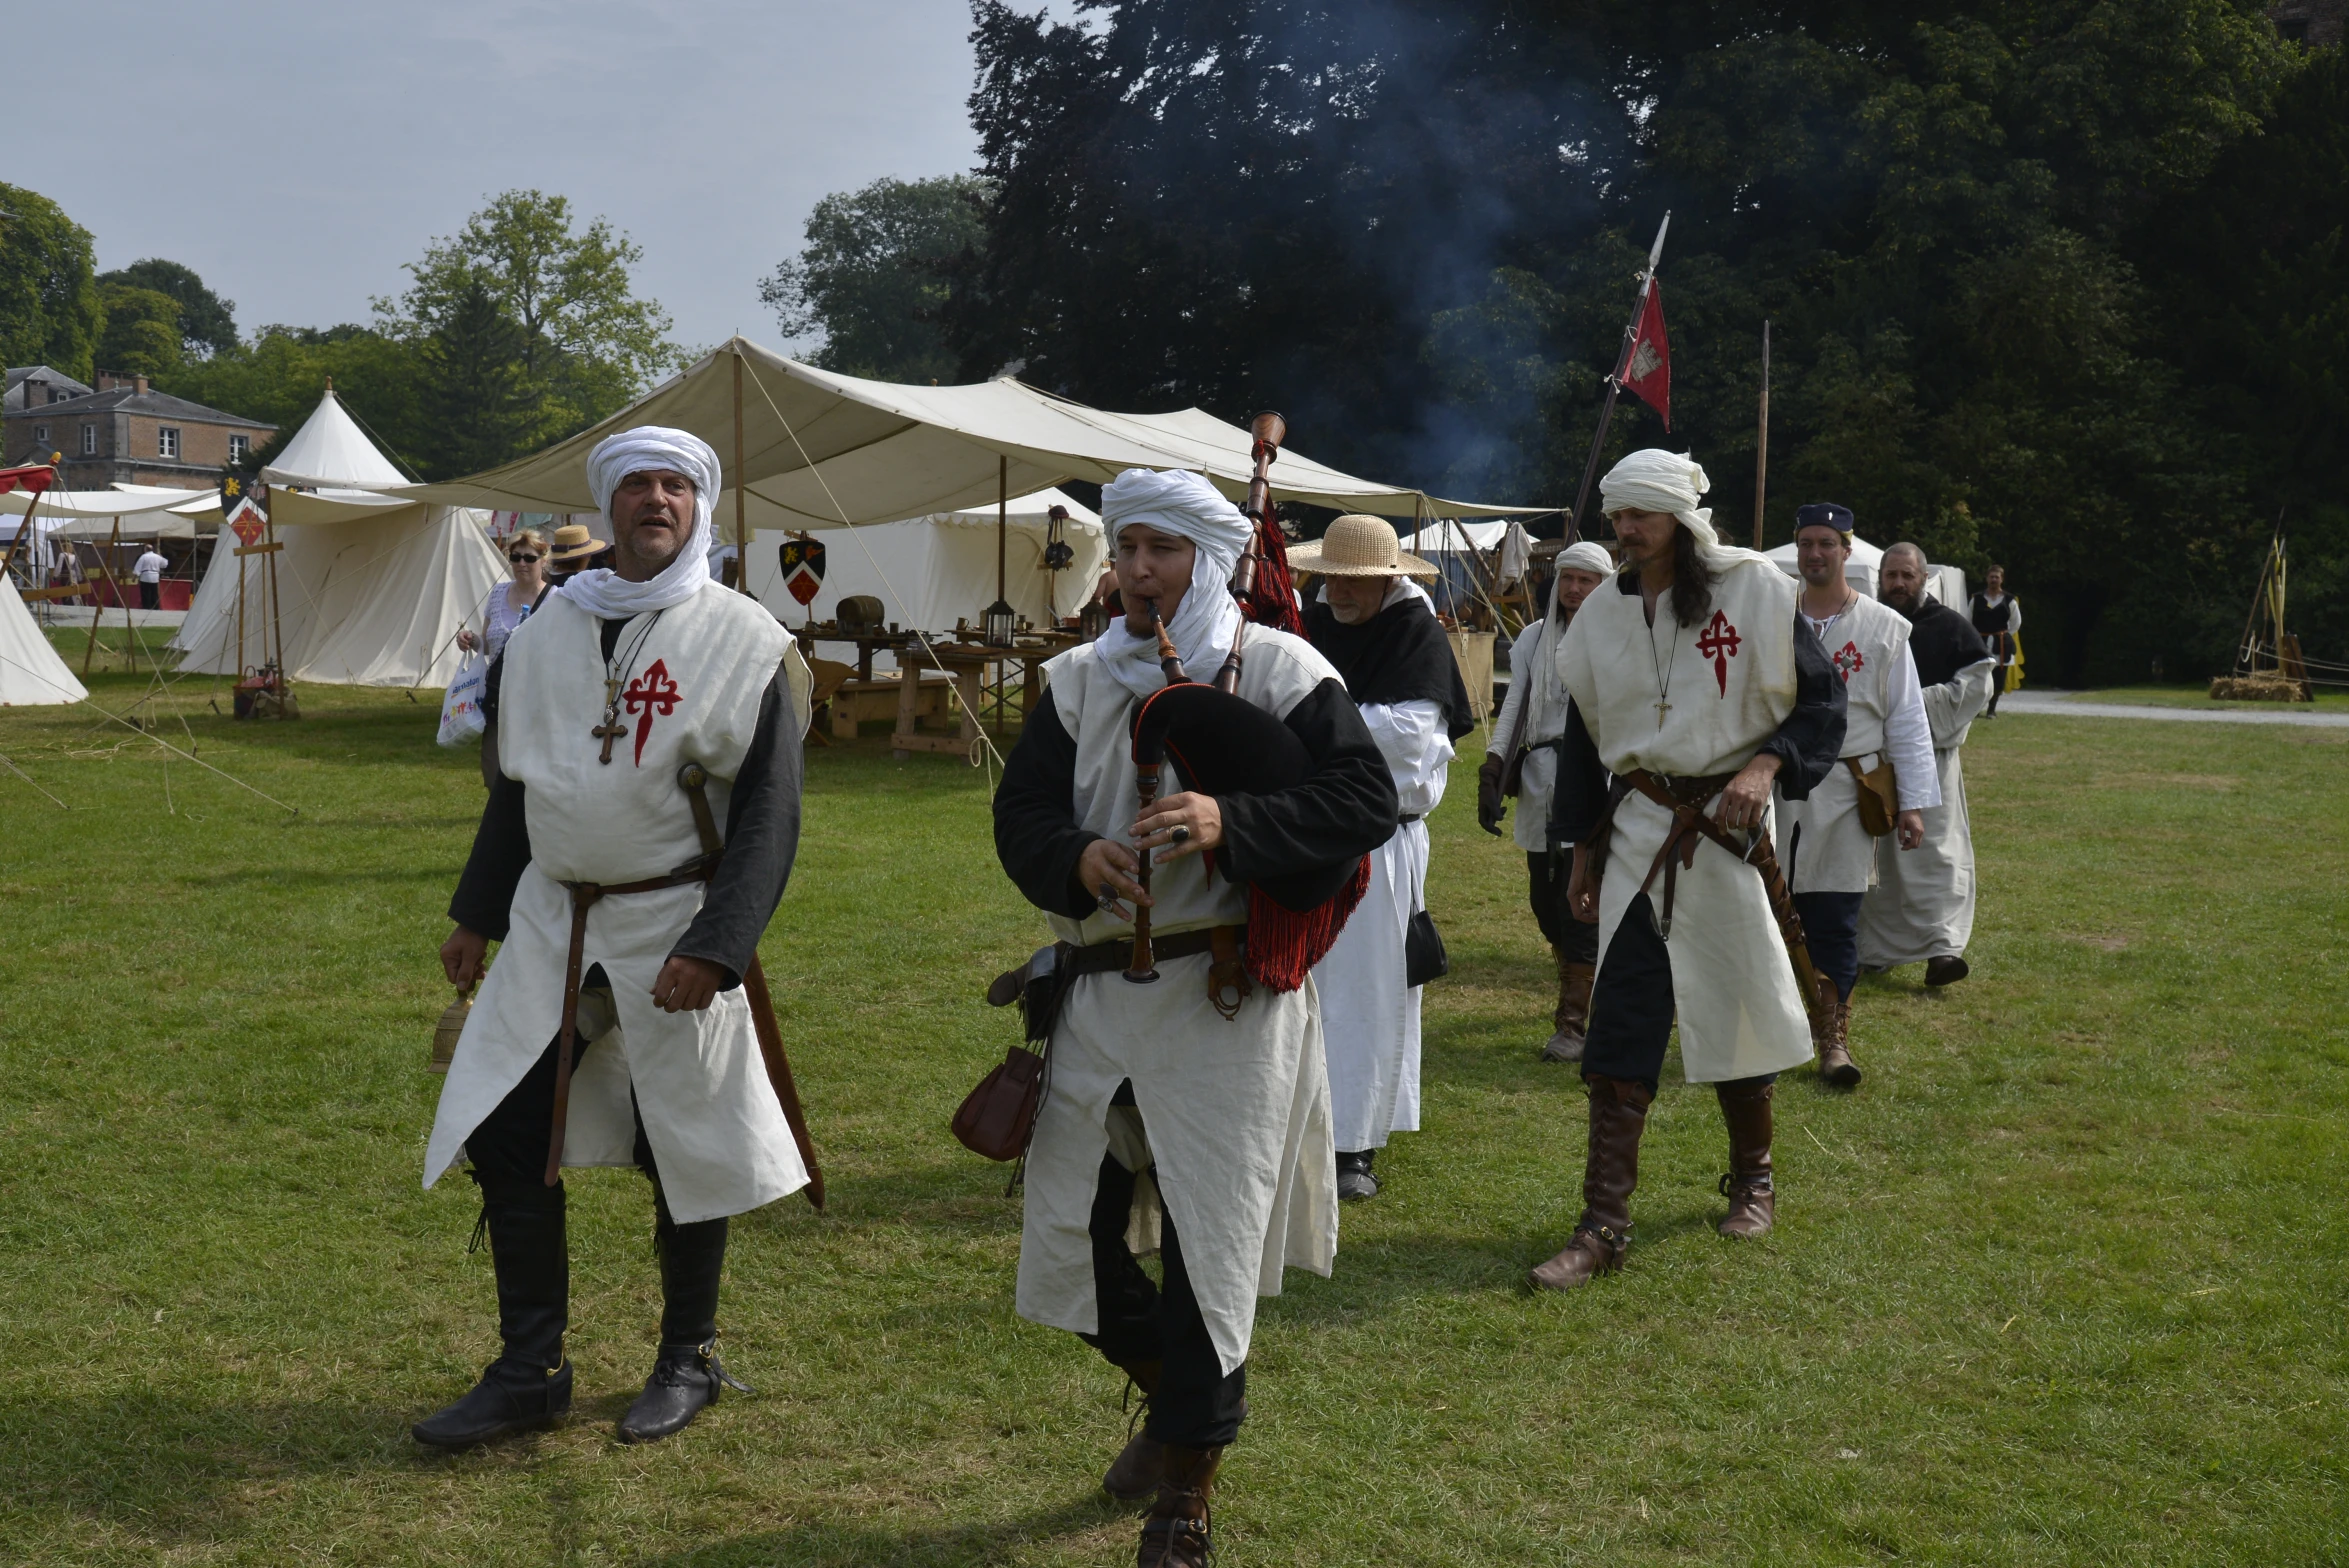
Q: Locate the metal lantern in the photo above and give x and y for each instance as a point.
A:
(1059, 554)
(999, 625)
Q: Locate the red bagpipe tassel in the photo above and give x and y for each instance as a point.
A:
(1284, 944)
(1271, 599)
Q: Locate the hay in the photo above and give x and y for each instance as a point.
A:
(2266, 687)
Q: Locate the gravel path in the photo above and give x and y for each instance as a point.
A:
(2060, 706)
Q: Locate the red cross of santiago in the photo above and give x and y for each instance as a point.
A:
(1719, 643)
(1847, 659)
(652, 692)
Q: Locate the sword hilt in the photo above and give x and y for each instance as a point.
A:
(694, 779)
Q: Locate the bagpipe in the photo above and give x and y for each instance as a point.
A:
(1221, 744)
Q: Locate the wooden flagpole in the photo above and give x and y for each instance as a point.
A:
(1762, 441)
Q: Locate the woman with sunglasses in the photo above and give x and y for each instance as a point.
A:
(505, 607)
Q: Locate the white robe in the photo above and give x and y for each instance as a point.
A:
(698, 1080)
(1369, 1017)
(1236, 1111)
(1533, 678)
(1824, 847)
(1922, 905)
(1690, 701)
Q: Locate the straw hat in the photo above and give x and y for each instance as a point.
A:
(1359, 546)
(573, 542)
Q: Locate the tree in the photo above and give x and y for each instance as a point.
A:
(873, 276)
(474, 388)
(49, 310)
(587, 343)
(207, 323)
(279, 375)
(142, 333)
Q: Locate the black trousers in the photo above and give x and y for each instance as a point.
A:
(1631, 1008)
(509, 1151)
(1196, 1405)
(1831, 929)
(1546, 876)
(150, 595)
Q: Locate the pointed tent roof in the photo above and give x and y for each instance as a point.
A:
(331, 451)
(31, 674)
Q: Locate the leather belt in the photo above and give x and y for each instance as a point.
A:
(1108, 957)
(585, 896)
(1407, 819)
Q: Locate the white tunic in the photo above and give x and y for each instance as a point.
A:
(1689, 701)
(1369, 1017)
(1824, 847)
(693, 694)
(1533, 678)
(1236, 1111)
(1922, 905)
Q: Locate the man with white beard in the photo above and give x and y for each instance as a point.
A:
(1884, 780)
(1534, 713)
(1922, 906)
(1379, 630)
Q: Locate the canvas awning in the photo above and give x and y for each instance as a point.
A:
(817, 449)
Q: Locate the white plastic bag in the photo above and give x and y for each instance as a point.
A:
(460, 709)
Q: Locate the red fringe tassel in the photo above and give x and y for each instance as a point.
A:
(1284, 944)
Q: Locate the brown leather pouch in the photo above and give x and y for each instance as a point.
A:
(1879, 796)
(996, 1119)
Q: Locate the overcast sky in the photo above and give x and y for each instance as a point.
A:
(295, 154)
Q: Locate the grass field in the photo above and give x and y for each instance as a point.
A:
(2198, 696)
(2062, 1283)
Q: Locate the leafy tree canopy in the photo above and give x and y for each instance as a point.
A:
(207, 323)
(142, 331)
(49, 310)
(872, 279)
(1415, 228)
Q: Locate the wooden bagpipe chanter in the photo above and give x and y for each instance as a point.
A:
(1221, 744)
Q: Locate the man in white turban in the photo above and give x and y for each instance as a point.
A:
(1527, 733)
(1190, 1114)
(1691, 691)
(614, 1029)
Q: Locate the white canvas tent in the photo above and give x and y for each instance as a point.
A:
(931, 571)
(819, 450)
(31, 674)
(371, 588)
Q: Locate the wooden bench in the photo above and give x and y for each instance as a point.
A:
(856, 702)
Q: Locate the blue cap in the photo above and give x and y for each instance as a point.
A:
(1824, 514)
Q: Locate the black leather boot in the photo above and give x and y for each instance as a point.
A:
(529, 1385)
(688, 1375)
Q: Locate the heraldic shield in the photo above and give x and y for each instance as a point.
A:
(803, 568)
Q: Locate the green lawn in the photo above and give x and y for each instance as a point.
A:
(2062, 1283)
(2198, 696)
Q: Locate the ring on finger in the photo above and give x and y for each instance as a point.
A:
(1180, 834)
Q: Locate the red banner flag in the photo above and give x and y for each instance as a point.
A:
(1648, 371)
(35, 477)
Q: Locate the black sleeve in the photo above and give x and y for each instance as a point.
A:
(1346, 809)
(1581, 791)
(484, 900)
(1036, 834)
(491, 682)
(762, 837)
(1811, 739)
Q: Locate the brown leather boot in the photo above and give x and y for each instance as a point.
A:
(1176, 1533)
(1835, 1063)
(1573, 1015)
(1752, 1201)
(1618, 1114)
(1133, 1475)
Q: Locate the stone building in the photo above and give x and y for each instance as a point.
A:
(2316, 23)
(123, 431)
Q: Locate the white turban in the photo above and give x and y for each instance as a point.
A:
(1585, 555)
(606, 593)
(1204, 624)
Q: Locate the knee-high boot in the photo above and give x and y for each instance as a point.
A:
(687, 1376)
(1618, 1115)
(1753, 1202)
(1572, 1017)
(529, 1385)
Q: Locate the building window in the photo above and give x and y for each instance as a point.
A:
(89, 440)
(40, 435)
(167, 442)
(238, 446)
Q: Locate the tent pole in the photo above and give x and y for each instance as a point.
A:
(98, 615)
(277, 621)
(130, 630)
(1002, 521)
(1762, 441)
(238, 672)
(741, 527)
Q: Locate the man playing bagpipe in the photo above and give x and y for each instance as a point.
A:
(1693, 689)
(1188, 1104)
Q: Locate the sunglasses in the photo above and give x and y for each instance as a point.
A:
(523, 560)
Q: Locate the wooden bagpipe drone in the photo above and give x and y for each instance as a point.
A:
(1221, 744)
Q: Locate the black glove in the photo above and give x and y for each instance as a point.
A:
(1490, 807)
